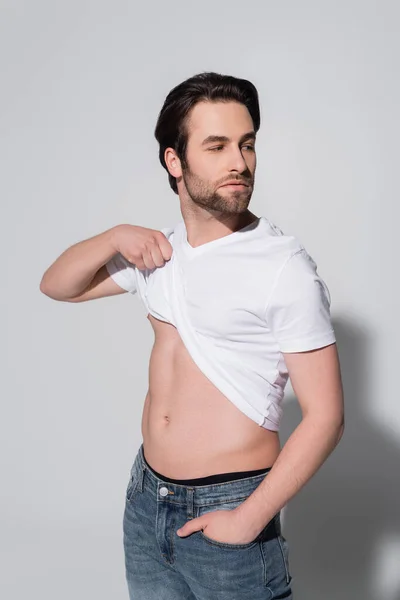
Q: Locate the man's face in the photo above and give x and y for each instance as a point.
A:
(211, 163)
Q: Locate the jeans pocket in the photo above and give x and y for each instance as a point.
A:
(285, 556)
(275, 552)
(227, 505)
(132, 486)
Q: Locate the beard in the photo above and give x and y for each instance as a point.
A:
(202, 193)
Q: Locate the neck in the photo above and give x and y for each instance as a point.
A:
(203, 227)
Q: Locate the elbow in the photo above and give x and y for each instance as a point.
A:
(341, 430)
(44, 288)
(332, 425)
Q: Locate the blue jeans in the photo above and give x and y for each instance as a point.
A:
(162, 566)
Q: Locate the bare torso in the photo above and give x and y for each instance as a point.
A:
(189, 428)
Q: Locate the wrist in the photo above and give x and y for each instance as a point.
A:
(112, 236)
(250, 514)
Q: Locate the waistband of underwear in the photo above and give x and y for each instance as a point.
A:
(209, 479)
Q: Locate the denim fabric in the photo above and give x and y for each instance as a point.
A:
(162, 566)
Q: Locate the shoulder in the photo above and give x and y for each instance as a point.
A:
(296, 273)
(280, 246)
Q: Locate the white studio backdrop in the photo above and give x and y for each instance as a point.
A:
(82, 84)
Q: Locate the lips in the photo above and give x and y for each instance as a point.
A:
(235, 183)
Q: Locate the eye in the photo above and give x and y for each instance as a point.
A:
(218, 148)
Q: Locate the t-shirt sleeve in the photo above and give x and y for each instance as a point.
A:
(298, 310)
(122, 272)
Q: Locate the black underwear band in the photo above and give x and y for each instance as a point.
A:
(217, 478)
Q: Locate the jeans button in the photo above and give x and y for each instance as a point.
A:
(163, 491)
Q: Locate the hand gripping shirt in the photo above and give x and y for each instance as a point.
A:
(238, 302)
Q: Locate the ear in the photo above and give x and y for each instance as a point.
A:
(173, 163)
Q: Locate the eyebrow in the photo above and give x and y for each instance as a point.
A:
(223, 138)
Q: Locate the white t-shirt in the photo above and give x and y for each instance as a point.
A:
(238, 303)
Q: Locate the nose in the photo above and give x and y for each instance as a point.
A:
(236, 161)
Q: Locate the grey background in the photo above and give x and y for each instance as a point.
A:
(82, 84)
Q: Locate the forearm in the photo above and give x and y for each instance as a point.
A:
(75, 268)
(305, 451)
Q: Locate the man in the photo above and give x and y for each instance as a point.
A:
(237, 307)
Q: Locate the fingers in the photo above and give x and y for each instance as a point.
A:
(157, 252)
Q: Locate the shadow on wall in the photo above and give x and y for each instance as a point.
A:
(337, 523)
